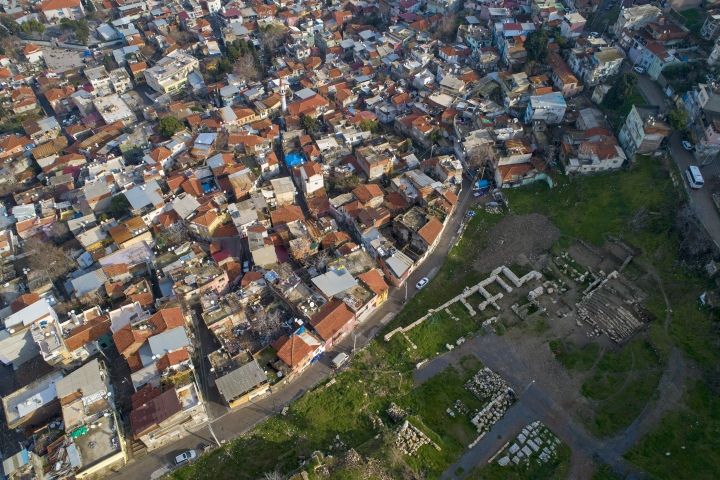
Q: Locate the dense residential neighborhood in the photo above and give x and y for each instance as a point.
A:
(206, 202)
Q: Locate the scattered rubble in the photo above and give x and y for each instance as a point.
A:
(535, 443)
(489, 386)
(396, 413)
(409, 439)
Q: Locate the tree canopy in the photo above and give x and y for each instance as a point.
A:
(622, 89)
(119, 206)
(536, 45)
(169, 126)
(79, 27)
(678, 119)
(310, 124)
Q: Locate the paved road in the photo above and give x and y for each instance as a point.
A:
(236, 422)
(700, 200)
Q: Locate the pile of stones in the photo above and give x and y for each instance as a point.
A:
(396, 413)
(461, 407)
(409, 439)
(494, 411)
(536, 443)
(486, 384)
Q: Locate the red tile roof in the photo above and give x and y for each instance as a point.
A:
(150, 414)
(430, 231)
(374, 280)
(166, 319)
(292, 351)
(331, 319)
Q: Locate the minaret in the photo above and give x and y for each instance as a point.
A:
(282, 95)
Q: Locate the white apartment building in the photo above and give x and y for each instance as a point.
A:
(171, 72)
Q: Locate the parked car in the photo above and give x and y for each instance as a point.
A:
(185, 457)
(639, 70)
(688, 146)
(594, 34)
(421, 283)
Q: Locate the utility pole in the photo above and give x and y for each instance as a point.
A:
(212, 432)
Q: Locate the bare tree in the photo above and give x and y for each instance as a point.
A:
(9, 45)
(481, 156)
(246, 68)
(45, 256)
(271, 37)
(266, 324)
(175, 234)
(274, 475)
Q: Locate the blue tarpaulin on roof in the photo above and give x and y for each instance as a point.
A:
(293, 159)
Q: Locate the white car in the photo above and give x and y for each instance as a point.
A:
(688, 146)
(185, 457)
(639, 70)
(594, 34)
(421, 283)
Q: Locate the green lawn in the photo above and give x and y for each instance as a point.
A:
(622, 384)
(440, 329)
(573, 357)
(685, 445)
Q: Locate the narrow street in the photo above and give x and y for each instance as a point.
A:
(701, 199)
(236, 422)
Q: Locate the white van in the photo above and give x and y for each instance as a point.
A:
(340, 360)
(694, 177)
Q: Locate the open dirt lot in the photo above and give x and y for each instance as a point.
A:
(517, 239)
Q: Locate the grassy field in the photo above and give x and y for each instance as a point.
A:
(592, 207)
(440, 329)
(604, 472)
(685, 445)
(595, 206)
(621, 385)
(573, 357)
(431, 401)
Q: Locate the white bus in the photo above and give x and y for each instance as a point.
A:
(694, 177)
